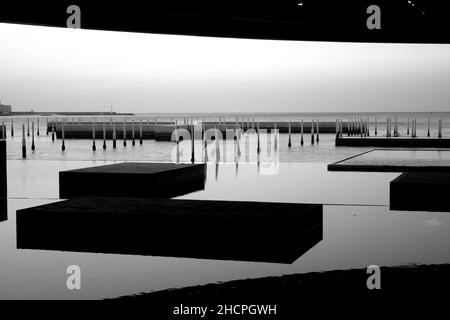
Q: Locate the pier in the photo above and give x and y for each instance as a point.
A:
(393, 142)
(396, 160)
(225, 230)
(162, 130)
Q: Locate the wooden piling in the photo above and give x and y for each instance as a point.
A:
(387, 128)
(140, 132)
(114, 133)
(275, 143)
(238, 140)
(53, 130)
(177, 141)
(33, 147)
(133, 142)
(429, 125)
(407, 127)
(46, 126)
(440, 129)
(192, 144)
(258, 149)
(317, 135)
(12, 127)
(312, 132)
(289, 142)
(24, 144)
(376, 127)
(93, 136)
(104, 134)
(28, 127)
(37, 133)
(216, 140)
(337, 128)
(63, 147)
(124, 133)
(205, 147)
(361, 127)
(301, 133)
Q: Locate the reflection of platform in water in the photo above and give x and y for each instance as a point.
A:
(135, 180)
(225, 230)
(395, 160)
(420, 191)
(393, 142)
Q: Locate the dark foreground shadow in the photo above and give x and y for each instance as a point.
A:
(292, 295)
(224, 230)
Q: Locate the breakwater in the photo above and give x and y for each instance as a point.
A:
(162, 131)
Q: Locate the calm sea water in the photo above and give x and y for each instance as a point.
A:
(358, 228)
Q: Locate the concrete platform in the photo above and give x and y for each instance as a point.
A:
(3, 209)
(225, 230)
(421, 191)
(131, 179)
(396, 160)
(3, 178)
(394, 142)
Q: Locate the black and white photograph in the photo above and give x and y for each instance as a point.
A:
(225, 160)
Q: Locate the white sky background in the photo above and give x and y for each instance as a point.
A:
(52, 69)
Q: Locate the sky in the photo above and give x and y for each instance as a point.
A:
(56, 69)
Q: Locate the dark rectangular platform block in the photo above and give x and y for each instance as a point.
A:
(135, 180)
(421, 191)
(226, 230)
(3, 179)
(395, 142)
(3, 209)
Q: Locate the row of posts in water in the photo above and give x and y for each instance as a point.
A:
(360, 127)
(314, 134)
(355, 127)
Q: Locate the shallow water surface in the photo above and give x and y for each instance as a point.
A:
(358, 230)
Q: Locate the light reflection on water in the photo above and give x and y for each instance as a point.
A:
(355, 234)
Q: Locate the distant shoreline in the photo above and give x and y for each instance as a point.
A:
(26, 113)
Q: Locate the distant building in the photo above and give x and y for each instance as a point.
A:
(4, 108)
